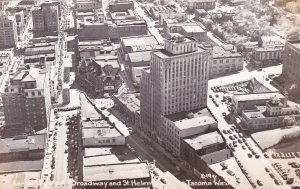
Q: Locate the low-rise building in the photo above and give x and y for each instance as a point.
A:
(266, 41)
(92, 49)
(236, 2)
(201, 4)
(137, 62)
(204, 149)
(276, 113)
(99, 135)
(225, 61)
(137, 43)
(129, 104)
(88, 5)
(100, 76)
(185, 124)
(22, 147)
(113, 26)
(120, 5)
(242, 102)
(180, 16)
(267, 55)
(187, 28)
(137, 175)
(155, 11)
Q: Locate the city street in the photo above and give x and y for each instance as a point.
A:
(61, 176)
(150, 23)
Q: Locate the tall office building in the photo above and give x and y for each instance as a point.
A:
(26, 101)
(8, 31)
(291, 64)
(45, 19)
(176, 82)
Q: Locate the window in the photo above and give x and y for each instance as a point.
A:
(39, 93)
(32, 93)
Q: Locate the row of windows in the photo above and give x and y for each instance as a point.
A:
(33, 93)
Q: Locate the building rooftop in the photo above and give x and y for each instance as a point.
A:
(140, 56)
(165, 54)
(30, 180)
(22, 143)
(220, 52)
(271, 48)
(200, 1)
(257, 96)
(21, 166)
(257, 113)
(267, 38)
(201, 141)
(116, 172)
(100, 132)
(95, 123)
(143, 40)
(107, 60)
(110, 159)
(193, 29)
(131, 101)
(190, 119)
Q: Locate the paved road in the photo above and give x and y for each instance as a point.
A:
(61, 176)
(150, 23)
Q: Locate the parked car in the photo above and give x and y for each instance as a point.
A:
(259, 183)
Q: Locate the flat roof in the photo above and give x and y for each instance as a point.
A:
(142, 40)
(131, 101)
(28, 180)
(110, 159)
(193, 29)
(220, 52)
(190, 119)
(21, 166)
(165, 54)
(107, 60)
(140, 56)
(22, 143)
(255, 114)
(116, 172)
(100, 132)
(200, 141)
(200, 1)
(257, 96)
(95, 123)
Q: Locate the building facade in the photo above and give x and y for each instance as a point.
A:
(291, 64)
(225, 61)
(201, 4)
(26, 101)
(8, 31)
(88, 5)
(242, 102)
(120, 5)
(100, 76)
(276, 113)
(45, 19)
(177, 82)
